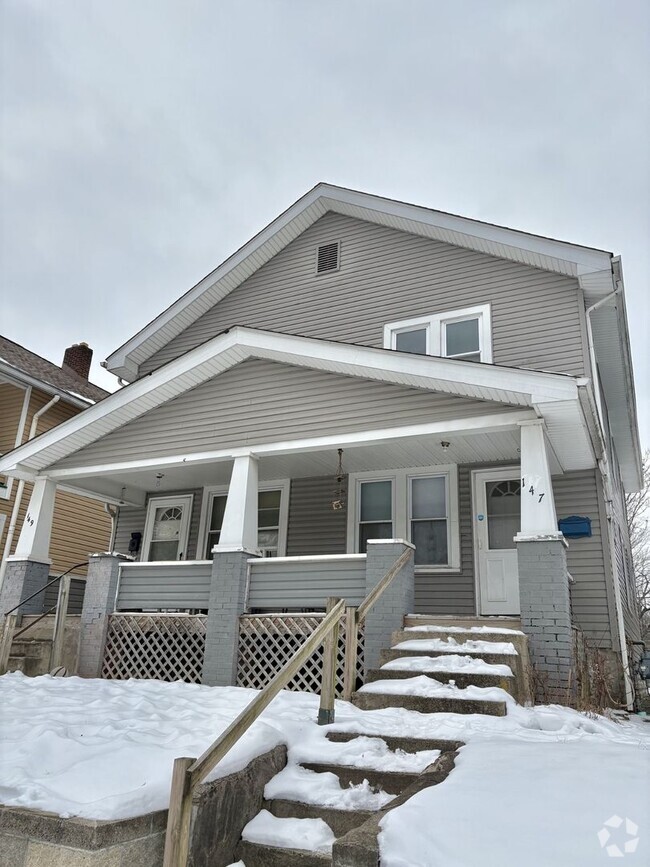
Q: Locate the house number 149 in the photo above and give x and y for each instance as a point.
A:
(531, 483)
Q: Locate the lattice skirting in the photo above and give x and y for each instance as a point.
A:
(267, 642)
(161, 646)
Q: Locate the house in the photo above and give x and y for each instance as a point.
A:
(366, 376)
(36, 395)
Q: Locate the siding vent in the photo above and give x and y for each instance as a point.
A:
(328, 258)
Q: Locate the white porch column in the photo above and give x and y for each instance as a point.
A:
(239, 525)
(538, 516)
(34, 539)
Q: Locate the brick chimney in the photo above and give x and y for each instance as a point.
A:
(78, 358)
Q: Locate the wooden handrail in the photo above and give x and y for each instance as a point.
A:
(189, 773)
(382, 585)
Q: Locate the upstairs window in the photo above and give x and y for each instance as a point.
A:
(462, 334)
(328, 257)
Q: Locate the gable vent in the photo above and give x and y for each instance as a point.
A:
(328, 257)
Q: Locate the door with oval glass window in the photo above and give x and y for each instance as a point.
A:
(166, 528)
(497, 520)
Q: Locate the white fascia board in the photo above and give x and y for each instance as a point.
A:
(469, 379)
(548, 253)
(356, 439)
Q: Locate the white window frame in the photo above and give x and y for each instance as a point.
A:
(401, 481)
(367, 477)
(210, 491)
(154, 503)
(436, 334)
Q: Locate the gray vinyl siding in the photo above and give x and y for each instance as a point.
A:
(313, 526)
(175, 586)
(388, 275)
(305, 585)
(132, 520)
(265, 401)
(577, 494)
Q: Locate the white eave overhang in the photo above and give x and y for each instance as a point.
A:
(554, 397)
(558, 256)
(14, 374)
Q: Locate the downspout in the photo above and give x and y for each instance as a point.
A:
(21, 487)
(607, 490)
(112, 512)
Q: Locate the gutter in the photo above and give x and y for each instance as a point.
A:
(21, 487)
(25, 379)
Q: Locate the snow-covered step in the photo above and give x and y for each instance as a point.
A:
(461, 679)
(490, 652)
(448, 663)
(427, 695)
(464, 622)
(340, 821)
(271, 841)
(392, 782)
(395, 742)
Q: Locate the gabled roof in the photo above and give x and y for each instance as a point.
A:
(534, 250)
(23, 363)
(555, 396)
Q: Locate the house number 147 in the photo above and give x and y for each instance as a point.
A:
(531, 483)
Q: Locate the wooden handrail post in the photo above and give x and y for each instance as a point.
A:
(351, 649)
(7, 638)
(177, 838)
(330, 655)
(56, 653)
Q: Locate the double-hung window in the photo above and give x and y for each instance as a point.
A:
(420, 505)
(464, 334)
(272, 504)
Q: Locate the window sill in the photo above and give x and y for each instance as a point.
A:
(433, 570)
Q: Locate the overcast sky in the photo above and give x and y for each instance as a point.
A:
(144, 141)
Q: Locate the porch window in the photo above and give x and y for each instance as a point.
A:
(375, 512)
(464, 334)
(271, 521)
(420, 505)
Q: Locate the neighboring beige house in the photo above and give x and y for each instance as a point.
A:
(36, 395)
(361, 370)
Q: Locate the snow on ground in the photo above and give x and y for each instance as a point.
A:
(450, 662)
(536, 785)
(311, 834)
(450, 645)
(451, 629)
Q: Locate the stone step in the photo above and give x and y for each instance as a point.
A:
(261, 855)
(388, 654)
(408, 745)
(461, 679)
(393, 782)
(452, 620)
(340, 821)
(427, 704)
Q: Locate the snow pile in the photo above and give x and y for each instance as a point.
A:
(450, 662)
(452, 629)
(296, 783)
(314, 835)
(427, 687)
(541, 804)
(362, 752)
(450, 645)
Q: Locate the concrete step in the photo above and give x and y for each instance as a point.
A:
(340, 821)
(37, 648)
(408, 745)
(17, 663)
(427, 704)
(461, 679)
(388, 654)
(452, 620)
(514, 638)
(259, 855)
(393, 782)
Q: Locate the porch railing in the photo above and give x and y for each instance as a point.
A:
(174, 585)
(276, 583)
(189, 773)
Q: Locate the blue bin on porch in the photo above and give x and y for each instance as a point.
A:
(575, 526)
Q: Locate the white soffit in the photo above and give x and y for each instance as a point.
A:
(519, 388)
(534, 250)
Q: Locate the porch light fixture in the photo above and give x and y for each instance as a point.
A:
(444, 445)
(338, 503)
(159, 476)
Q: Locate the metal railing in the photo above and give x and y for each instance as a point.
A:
(9, 633)
(189, 773)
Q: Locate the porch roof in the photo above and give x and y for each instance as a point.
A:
(560, 400)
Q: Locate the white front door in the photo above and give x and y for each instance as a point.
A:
(497, 519)
(166, 528)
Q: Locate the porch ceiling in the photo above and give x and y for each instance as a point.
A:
(413, 451)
